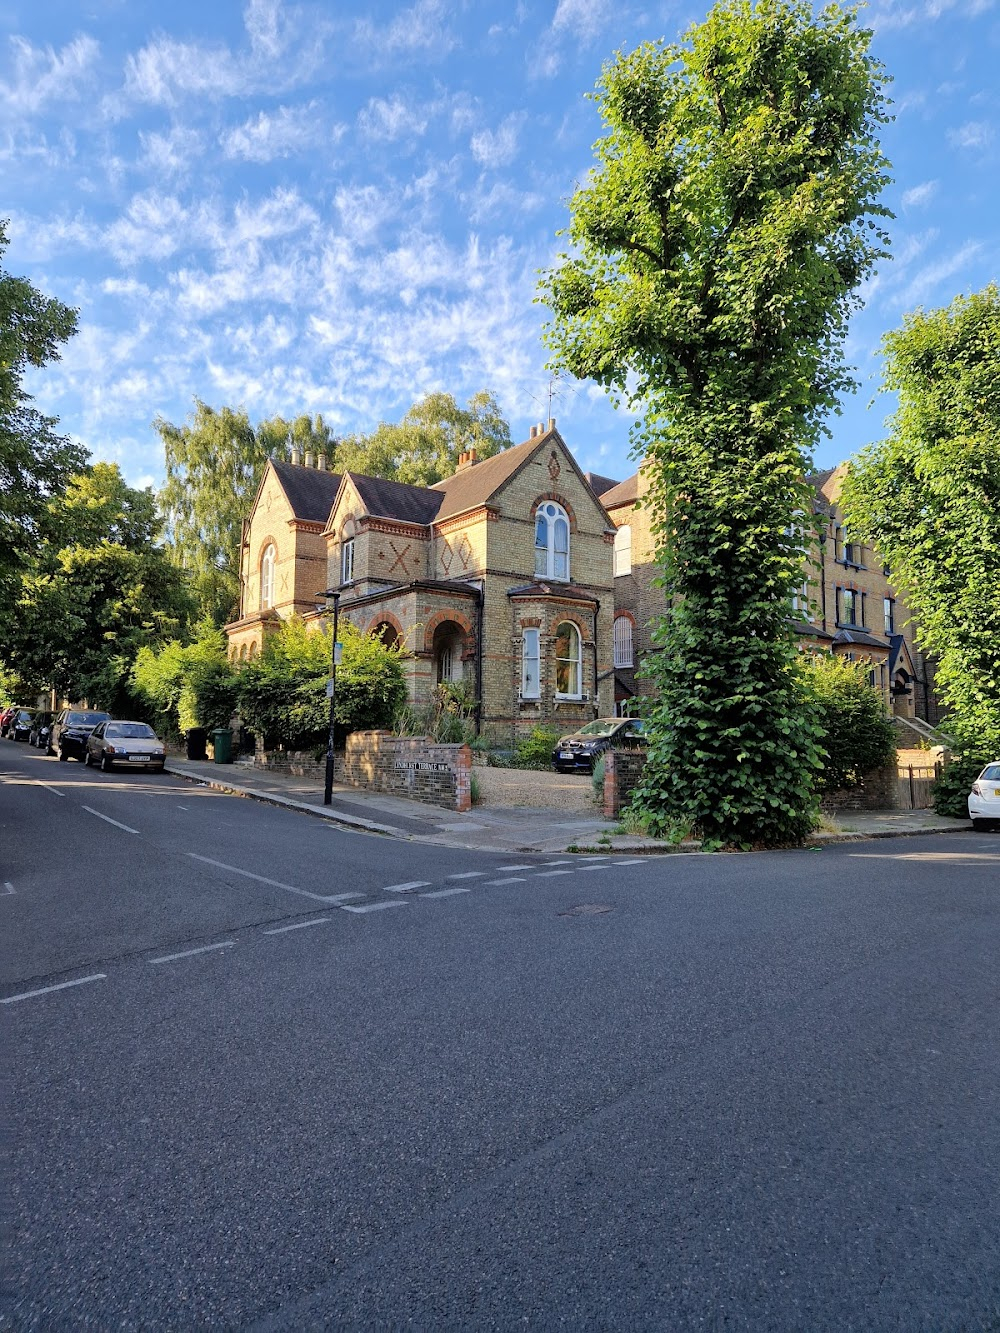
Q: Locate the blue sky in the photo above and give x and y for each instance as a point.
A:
(338, 208)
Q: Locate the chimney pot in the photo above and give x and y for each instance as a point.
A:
(310, 458)
(552, 423)
(533, 432)
(321, 462)
(296, 455)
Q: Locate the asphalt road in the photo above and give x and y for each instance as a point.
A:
(755, 1091)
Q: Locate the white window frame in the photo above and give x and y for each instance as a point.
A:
(573, 661)
(531, 664)
(552, 553)
(347, 560)
(267, 563)
(624, 651)
(622, 558)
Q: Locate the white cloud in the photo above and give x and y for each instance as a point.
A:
(923, 285)
(165, 71)
(262, 19)
(919, 194)
(422, 28)
(363, 210)
(151, 228)
(974, 134)
(498, 149)
(583, 19)
(391, 118)
(287, 131)
(169, 154)
(44, 75)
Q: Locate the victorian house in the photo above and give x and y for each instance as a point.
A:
(498, 579)
(847, 604)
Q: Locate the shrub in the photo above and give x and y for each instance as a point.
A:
(535, 750)
(857, 735)
(951, 790)
(597, 779)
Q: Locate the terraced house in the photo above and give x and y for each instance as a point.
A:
(499, 577)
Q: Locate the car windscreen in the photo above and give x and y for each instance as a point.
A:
(602, 727)
(24, 715)
(991, 773)
(130, 731)
(85, 719)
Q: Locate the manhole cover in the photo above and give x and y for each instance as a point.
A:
(587, 909)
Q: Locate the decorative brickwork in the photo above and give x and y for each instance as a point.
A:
(411, 767)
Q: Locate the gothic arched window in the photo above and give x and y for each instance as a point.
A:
(551, 542)
(267, 577)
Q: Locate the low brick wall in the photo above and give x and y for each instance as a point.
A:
(622, 771)
(879, 790)
(410, 766)
(300, 763)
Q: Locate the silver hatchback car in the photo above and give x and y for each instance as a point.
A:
(131, 744)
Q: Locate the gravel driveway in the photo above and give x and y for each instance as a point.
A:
(535, 789)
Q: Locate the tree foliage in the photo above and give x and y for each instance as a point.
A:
(425, 446)
(928, 497)
(856, 733)
(188, 684)
(717, 247)
(35, 462)
(214, 464)
(97, 592)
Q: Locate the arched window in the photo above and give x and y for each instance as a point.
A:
(551, 542)
(568, 661)
(623, 641)
(386, 633)
(267, 578)
(623, 550)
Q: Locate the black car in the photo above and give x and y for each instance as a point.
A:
(580, 752)
(41, 725)
(20, 724)
(70, 730)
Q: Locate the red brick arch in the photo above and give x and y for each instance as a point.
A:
(387, 618)
(559, 500)
(572, 618)
(441, 618)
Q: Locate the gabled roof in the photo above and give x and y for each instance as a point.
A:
(860, 637)
(395, 499)
(624, 493)
(598, 484)
(474, 485)
(309, 491)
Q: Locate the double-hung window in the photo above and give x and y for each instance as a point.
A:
(569, 652)
(347, 560)
(623, 550)
(267, 578)
(531, 685)
(889, 611)
(551, 542)
(623, 641)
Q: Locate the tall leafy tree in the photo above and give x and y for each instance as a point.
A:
(97, 592)
(928, 497)
(717, 247)
(214, 464)
(35, 462)
(425, 446)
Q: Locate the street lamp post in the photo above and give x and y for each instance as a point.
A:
(332, 691)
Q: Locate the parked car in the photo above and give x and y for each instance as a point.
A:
(70, 731)
(19, 725)
(5, 719)
(984, 799)
(132, 744)
(41, 725)
(580, 752)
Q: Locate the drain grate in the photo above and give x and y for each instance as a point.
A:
(587, 909)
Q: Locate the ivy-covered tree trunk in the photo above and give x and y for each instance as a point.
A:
(717, 246)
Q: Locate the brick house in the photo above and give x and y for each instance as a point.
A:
(498, 577)
(847, 603)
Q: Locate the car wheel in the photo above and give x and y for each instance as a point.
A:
(105, 764)
(63, 756)
(978, 825)
(82, 756)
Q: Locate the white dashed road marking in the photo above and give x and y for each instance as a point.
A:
(605, 866)
(405, 888)
(298, 925)
(547, 874)
(468, 874)
(189, 953)
(48, 787)
(7, 887)
(444, 893)
(635, 861)
(374, 907)
(47, 990)
(519, 867)
(335, 898)
(108, 820)
(553, 863)
(514, 879)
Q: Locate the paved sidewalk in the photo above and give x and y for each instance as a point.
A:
(502, 828)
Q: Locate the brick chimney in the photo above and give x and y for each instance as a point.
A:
(467, 458)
